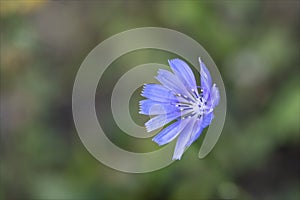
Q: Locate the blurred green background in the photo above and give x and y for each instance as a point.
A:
(254, 44)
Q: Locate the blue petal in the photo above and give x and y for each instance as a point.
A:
(202, 124)
(161, 120)
(150, 107)
(171, 82)
(183, 139)
(184, 73)
(158, 93)
(196, 136)
(207, 119)
(169, 133)
(206, 81)
(214, 97)
(196, 132)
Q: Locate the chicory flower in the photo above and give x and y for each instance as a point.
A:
(179, 102)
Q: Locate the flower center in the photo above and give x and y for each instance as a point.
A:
(192, 106)
(199, 106)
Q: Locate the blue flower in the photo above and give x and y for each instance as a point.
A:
(178, 101)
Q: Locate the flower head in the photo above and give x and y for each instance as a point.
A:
(178, 101)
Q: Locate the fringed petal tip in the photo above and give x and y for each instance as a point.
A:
(148, 129)
(142, 113)
(157, 142)
(158, 92)
(177, 157)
